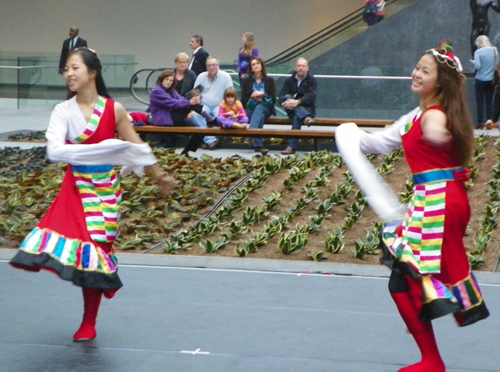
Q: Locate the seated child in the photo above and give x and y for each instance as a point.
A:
(231, 111)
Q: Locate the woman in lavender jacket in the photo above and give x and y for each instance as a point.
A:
(246, 53)
(168, 108)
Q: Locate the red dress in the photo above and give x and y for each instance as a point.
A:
(61, 242)
(428, 244)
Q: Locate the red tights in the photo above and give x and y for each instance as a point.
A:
(409, 305)
(91, 301)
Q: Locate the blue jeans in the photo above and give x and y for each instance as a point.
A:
(298, 114)
(257, 118)
(200, 121)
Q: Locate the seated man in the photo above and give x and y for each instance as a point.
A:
(214, 82)
(298, 97)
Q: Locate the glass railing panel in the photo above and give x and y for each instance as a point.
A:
(353, 93)
(33, 80)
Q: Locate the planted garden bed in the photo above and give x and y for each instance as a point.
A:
(298, 208)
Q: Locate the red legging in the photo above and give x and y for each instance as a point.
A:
(409, 304)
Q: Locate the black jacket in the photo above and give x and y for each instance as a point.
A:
(247, 90)
(65, 50)
(187, 82)
(200, 62)
(306, 92)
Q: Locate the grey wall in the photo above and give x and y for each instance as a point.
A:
(155, 30)
(394, 46)
(400, 40)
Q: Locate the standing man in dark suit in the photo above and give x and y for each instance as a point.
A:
(69, 44)
(198, 63)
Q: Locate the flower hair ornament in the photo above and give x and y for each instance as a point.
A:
(445, 56)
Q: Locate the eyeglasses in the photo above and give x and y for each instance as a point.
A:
(213, 65)
(442, 57)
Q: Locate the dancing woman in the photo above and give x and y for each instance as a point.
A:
(75, 238)
(431, 276)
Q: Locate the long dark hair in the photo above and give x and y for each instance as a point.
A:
(250, 72)
(453, 97)
(93, 63)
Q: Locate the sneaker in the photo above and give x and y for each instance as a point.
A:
(213, 145)
(288, 151)
(309, 121)
(262, 150)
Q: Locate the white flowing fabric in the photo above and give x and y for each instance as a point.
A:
(67, 121)
(352, 142)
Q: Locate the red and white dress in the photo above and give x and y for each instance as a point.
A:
(428, 243)
(75, 238)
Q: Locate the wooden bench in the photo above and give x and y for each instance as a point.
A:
(325, 122)
(314, 132)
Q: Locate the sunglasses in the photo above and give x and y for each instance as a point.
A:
(442, 57)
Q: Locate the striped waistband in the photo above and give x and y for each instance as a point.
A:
(435, 176)
(90, 169)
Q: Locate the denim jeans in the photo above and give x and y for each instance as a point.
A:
(200, 121)
(298, 114)
(257, 118)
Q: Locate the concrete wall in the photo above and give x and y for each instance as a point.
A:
(155, 30)
(394, 46)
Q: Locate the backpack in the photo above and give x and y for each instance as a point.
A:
(370, 13)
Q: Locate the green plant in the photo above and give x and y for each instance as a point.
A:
(292, 242)
(334, 242)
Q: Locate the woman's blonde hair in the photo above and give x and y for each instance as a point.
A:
(181, 57)
(249, 45)
(483, 41)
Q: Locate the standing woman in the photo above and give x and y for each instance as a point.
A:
(245, 54)
(258, 96)
(431, 276)
(485, 62)
(75, 238)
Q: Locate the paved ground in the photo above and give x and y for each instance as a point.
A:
(193, 314)
(211, 314)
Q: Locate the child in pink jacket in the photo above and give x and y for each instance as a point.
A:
(231, 111)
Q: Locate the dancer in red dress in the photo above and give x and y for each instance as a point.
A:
(75, 238)
(431, 276)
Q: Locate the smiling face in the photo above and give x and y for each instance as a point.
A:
(424, 79)
(77, 74)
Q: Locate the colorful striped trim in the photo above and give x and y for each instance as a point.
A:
(447, 174)
(82, 255)
(93, 123)
(422, 230)
(467, 292)
(101, 198)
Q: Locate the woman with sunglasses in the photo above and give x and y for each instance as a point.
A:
(431, 276)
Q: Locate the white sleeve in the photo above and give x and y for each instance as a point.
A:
(111, 151)
(381, 198)
(387, 140)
